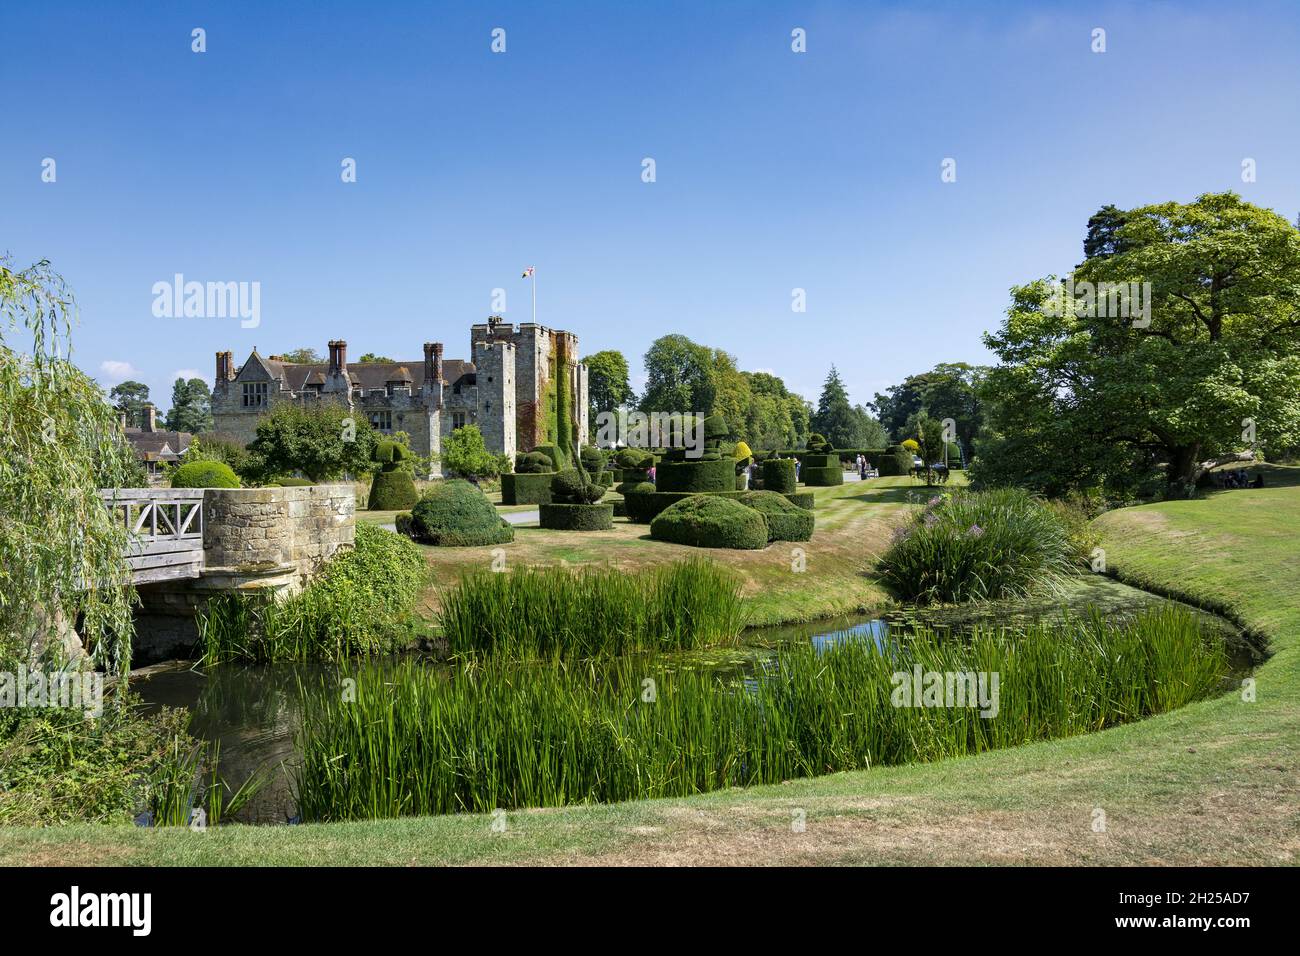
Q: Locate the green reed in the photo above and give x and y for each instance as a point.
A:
(503, 733)
(549, 612)
(361, 603)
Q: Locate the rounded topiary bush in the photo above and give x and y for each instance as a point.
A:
(392, 491)
(558, 459)
(204, 474)
(533, 463)
(572, 487)
(709, 521)
(786, 521)
(456, 514)
(778, 475)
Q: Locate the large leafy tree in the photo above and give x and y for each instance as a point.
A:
(60, 548)
(679, 376)
(325, 442)
(607, 382)
(130, 397)
(465, 454)
(949, 390)
(1083, 398)
(191, 409)
(303, 356)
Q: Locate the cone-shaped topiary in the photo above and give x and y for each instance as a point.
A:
(455, 513)
(785, 521)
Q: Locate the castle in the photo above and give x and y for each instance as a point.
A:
(517, 386)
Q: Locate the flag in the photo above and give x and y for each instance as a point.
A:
(527, 273)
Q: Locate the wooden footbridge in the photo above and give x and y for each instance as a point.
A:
(166, 529)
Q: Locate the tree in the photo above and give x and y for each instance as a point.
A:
(191, 409)
(131, 397)
(62, 444)
(325, 442)
(1208, 365)
(303, 356)
(607, 382)
(834, 417)
(679, 376)
(949, 390)
(372, 357)
(464, 454)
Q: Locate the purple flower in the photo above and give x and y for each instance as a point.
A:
(934, 501)
(930, 520)
(975, 531)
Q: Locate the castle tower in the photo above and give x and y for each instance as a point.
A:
(494, 363)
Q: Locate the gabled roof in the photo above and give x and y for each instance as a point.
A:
(364, 375)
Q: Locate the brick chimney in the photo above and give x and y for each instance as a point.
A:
(150, 423)
(338, 357)
(225, 371)
(437, 361)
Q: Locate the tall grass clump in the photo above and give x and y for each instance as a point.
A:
(361, 603)
(504, 733)
(554, 612)
(980, 546)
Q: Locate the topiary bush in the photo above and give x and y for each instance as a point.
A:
(528, 488)
(574, 487)
(576, 517)
(454, 513)
(980, 546)
(778, 475)
(392, 488)
(822, 476)
(533, 463)
(711, 521)
(786, 521)
(204, 474)
(703, 474)
(638, 501)
(896, 460)
(559, 461)
(804, 499)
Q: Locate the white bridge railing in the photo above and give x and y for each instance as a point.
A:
(166, 529)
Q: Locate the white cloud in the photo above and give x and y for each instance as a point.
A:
(114, 371)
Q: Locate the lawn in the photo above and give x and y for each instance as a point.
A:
(832, 580)
(1213, 783)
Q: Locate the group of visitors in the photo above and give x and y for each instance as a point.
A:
(1237, 478)
(863, 467)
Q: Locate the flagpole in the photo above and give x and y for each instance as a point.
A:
(534, 295)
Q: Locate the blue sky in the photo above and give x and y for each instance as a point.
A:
(775, 170)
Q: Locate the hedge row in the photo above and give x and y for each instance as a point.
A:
(822, 476)
(696, 476)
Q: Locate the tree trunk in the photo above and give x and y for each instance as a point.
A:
(1185, 467)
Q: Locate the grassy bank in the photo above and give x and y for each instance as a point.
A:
(1211, 783)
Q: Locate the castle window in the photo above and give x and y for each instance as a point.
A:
(255, 394)
(457, 420)
(381, 421)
